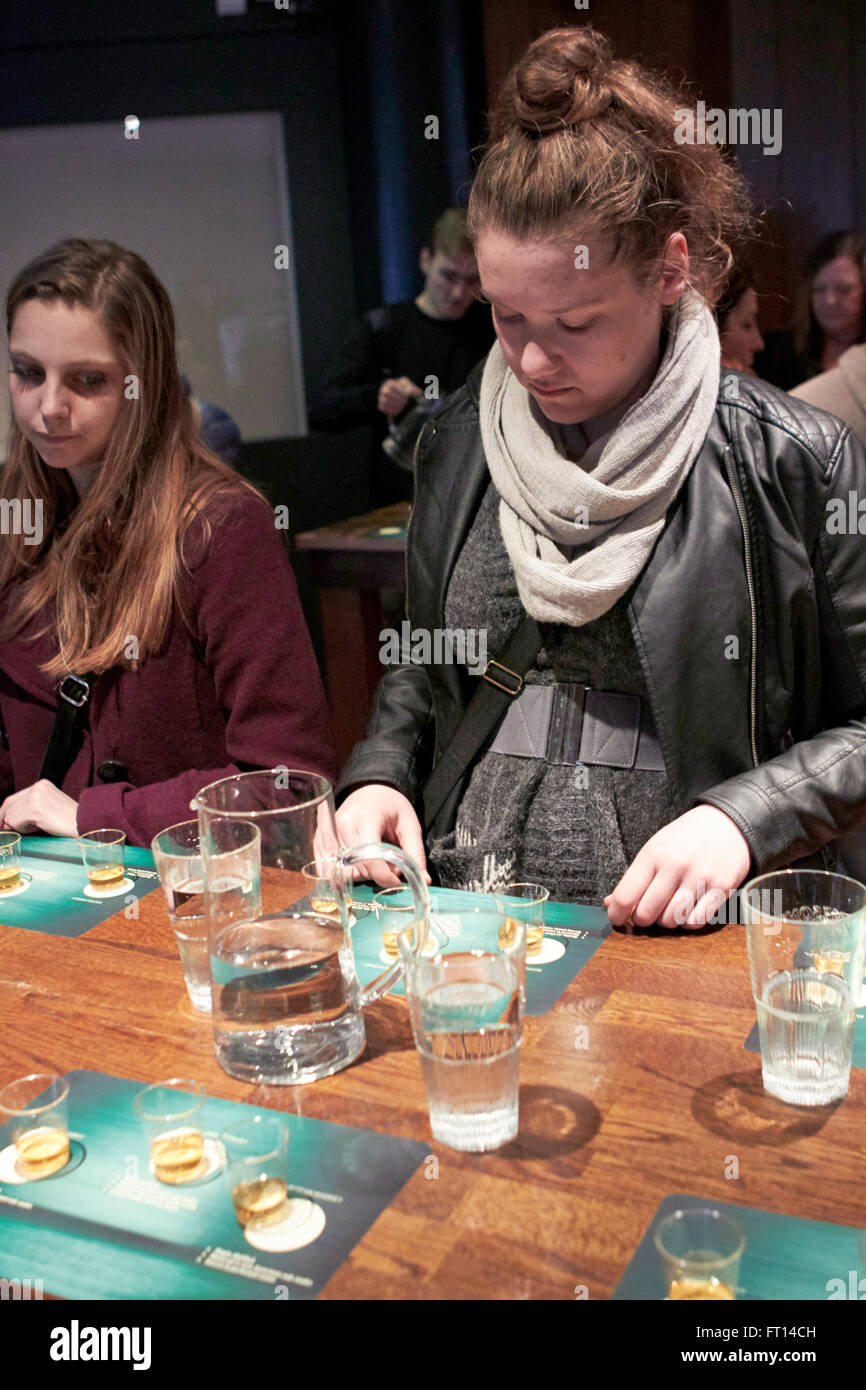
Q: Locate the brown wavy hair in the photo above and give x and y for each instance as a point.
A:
(807, 332)
(579, 137)
(109, 564)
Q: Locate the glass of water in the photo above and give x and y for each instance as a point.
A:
(466, 1005)
(177, 854)
(806, 934)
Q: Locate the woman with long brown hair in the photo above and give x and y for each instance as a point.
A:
(829, 313)
(150, 590)
(676, 639)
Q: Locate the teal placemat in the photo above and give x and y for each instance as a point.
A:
(858, 1057)
(55, 901)
(581, 930)
(107, 1229)
(785, 1257)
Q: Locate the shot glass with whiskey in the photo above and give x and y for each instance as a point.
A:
(522, 902)
(10, 861)
(33, 1110)
(701, 1249)
(102, 852)
(171, 1113)
(257, 1170)
(321, 889)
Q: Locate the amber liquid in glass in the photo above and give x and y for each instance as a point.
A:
(41, 1152)
(694, 1288)
(10, 877)
(108, 876)
(261, 1201)
(509, 932)
(178, 1156)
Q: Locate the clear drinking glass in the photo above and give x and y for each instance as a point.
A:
(257, 1169)
(102, 852)
(466, 1006)
(524, 902)
(319, 880)
(10, 860)
(287, 1003)
(34, 1111)
(170, 1112)
(236, 884)
(701, 1249)
(806, 934)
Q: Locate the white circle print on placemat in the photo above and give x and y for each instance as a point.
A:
(551, 949)
(304, 1224)
(96, 896)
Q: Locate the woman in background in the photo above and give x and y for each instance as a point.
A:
(154, 593)
(737, 317)
(829, 316)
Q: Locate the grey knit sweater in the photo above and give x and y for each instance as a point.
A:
(573, 829)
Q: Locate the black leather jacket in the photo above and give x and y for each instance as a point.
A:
(772, 729)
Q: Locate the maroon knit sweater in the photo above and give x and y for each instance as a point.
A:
(244, 690)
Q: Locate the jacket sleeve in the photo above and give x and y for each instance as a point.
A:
(348, 396)
(794, 804)
(258, 654)
(397, 749)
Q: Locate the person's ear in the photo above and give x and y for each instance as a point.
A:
(673, 280)
(425, 260)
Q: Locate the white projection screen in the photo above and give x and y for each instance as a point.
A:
(204, 199)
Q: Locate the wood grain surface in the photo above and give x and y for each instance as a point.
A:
(634, 1086)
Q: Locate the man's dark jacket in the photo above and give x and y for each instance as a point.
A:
(749, 621)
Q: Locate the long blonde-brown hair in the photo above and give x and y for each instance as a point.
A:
(577, 137)
(109, 564)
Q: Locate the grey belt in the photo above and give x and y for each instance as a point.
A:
(569, 723)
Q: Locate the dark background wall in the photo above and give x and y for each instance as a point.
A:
(354, 83)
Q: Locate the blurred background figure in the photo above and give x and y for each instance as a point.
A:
(402, 358)
(216, 428)
(829, 313)
(842, 390)
(737, 317)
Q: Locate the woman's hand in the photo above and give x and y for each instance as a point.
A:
(376, 813)
(683, 874)
(42, 807)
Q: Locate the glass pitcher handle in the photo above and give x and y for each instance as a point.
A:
(415, 881)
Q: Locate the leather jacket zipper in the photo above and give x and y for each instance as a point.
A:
(750, 580)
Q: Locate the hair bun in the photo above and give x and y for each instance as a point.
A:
(561, 80)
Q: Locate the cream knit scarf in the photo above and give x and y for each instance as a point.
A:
(577, 539)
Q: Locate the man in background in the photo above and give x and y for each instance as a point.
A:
(403, 355)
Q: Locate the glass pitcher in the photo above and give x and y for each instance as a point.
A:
(287, 1003)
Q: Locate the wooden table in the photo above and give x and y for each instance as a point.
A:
(634, 1086)
(351, 563)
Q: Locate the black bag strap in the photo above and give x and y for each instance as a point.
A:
(501, 682)
(73, 695)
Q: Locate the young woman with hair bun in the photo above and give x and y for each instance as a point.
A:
(693, 710)
(155, 595)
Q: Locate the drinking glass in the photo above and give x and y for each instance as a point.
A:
(524, 902)
(34, 1111)
(319, 880)
(102, 852)
(806, 934)
(10, 860)
(236, 884)
(287, 1003)
(701, 1249)
(257, 1170)
(170, 1112)
(466, 1007)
